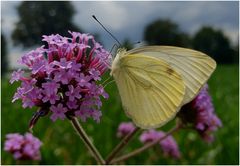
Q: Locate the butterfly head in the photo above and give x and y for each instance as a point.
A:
(116, 62)
(121, 50)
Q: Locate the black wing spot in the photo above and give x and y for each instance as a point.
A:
(170, 71)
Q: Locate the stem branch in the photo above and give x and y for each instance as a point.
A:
(145, 147)
(77, 126)
(121, 145)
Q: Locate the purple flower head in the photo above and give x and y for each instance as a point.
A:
(168, 145)
(63, 75)
(23, 147)
(125, 128)
(200, 113)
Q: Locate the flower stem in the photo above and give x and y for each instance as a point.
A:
(121, 145)
(145, 147)
(77, 126)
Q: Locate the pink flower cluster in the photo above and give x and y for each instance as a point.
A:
(63, 77)
(168, 145)
(200, 113)
(125, 128)
(23, 147)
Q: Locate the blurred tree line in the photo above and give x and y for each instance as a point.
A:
(211, 41)
(47, 17)
(4, 60)
(42, 17)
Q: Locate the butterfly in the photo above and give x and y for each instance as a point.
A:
(154, 82)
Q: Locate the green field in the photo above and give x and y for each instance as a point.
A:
(63, 146)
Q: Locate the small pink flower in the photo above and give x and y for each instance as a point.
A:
(64, 64)
(73, 93)
(72, 104)
(16, 75)
(95, 74)
(168, 144)
(150, 136)
(83, 81)
(125, 128)
(58, 112)
(50, 87)
(52, 98)
(23, 147)
(38, 65)
(96, 115)
(82, 114)
(62, 76)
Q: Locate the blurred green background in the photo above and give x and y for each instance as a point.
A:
(61, 145)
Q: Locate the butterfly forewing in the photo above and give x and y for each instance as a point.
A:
(151, 90)
(195, 67)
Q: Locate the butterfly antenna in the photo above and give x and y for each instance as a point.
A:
(95, 18)
(104, 86)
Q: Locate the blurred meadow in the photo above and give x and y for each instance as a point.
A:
(61, 144)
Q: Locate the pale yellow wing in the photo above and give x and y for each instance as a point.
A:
(151, 90)
(195, 67)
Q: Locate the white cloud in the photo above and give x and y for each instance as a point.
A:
(8, 16)
(110, 13)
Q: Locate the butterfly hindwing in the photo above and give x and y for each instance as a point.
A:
(151, 90)
(195, 67)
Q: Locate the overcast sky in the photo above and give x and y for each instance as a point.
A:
(128, 19)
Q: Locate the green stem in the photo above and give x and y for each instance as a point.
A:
(121, 145)
(77, 126)
(145, 147)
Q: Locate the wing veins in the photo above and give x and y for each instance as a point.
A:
(150, 49)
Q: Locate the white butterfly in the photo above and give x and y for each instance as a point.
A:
(155, 81)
